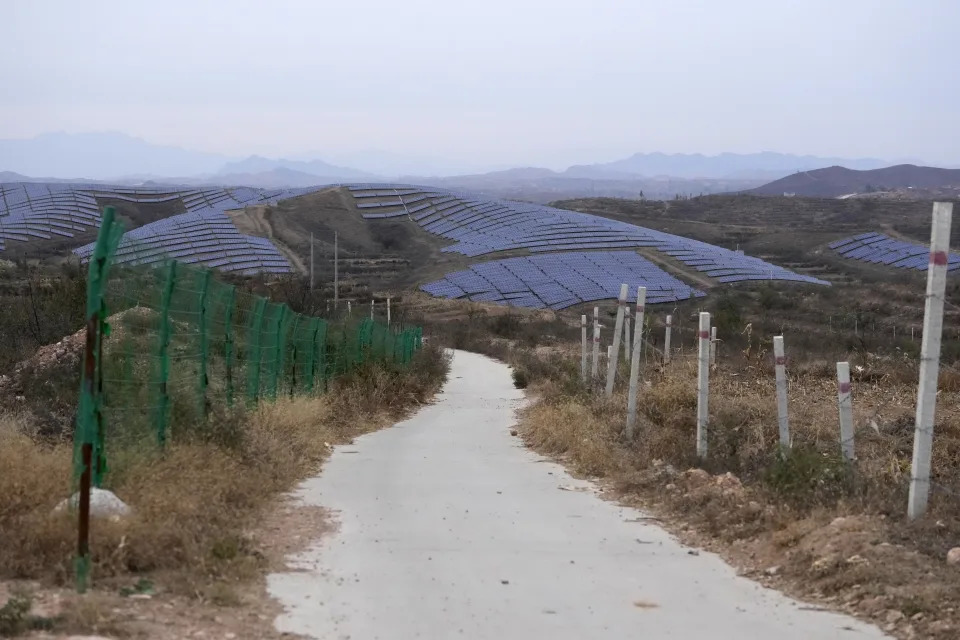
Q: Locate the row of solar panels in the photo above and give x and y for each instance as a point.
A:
(204, 235)
(560, 280)
(878, 248)
(482, 227)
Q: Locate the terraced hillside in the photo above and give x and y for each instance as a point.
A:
(449, 244)
(573, 257)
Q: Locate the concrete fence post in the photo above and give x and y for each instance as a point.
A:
(617, 334)
(930, 359)
(845, 405)
(713, 346)
(780, 364)
(371, 309)
(349, 308)
(388, 312)
(583, 348)
(626, 333)
(666, 340)
(596, 344)
(635, 362)
(703, 382)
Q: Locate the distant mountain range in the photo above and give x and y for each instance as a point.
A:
(740, 166)
(295, 168)
(836, 181)
(122, 159)
(101, 156)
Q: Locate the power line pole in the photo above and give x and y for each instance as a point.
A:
(311, 263)
(336, 271)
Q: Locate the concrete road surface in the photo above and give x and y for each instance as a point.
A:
(450, 528)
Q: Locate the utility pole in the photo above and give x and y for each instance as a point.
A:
(336, 272)
(311, 263)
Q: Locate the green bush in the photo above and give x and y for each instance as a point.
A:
(520, 379)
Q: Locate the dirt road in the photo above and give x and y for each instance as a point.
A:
(449, 527)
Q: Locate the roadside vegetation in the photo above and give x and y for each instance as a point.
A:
(805, 521)
(195, 506)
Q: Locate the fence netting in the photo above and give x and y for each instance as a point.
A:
(170, 344)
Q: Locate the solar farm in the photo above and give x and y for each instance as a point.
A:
(519, 254)
(579, 257)
(204, 235)
(878, 248)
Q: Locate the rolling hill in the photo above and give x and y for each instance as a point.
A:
(833, 182)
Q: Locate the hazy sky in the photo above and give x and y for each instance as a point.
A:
(539, 82)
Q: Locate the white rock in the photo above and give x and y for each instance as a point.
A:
(103, 504)
(953, 556)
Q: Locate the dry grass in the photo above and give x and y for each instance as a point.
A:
(837, 532)
(194, 503)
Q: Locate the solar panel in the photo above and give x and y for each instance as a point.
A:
(878, 248)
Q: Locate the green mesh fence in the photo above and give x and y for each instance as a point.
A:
(168, 342)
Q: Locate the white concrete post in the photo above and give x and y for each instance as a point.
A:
(703, 382)
(626, 333)
(713, 346)
(583, 348)
(635, 362)
(388, 312)
(617, 334)
(783, 421)
(845, 404)
(349, 308)
(930, 359)
(596, 344)
(666, 340)
(371, 309)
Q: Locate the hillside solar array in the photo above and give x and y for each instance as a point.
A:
(204, 235)
(481, 227)
(575, 258)
(560, 280)
(880, 249)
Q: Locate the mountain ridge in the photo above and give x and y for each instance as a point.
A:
(836, 181)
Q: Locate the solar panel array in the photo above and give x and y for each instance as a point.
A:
(207, 237)
(881, 249)
(204, 235)
(560, 280)
(480, 227)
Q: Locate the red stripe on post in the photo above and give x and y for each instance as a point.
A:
(704, 335)
(781, 360)
(844, 387)
(938, 258)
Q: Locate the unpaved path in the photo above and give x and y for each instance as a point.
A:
(449, 527)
